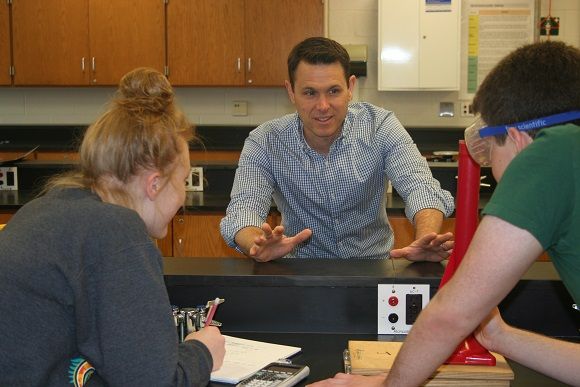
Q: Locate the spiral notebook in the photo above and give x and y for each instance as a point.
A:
(246, 357)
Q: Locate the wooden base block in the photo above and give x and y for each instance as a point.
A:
(375, 357)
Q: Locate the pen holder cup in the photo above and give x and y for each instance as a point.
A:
(188, 320)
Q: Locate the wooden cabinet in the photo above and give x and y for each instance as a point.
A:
(5, 78)
(273, 28)
(210, 42)
(165, 245)
(125, 34)
(205, 42)
(82, 42)
(50, 41)
(5, 217)
(405, 232)
(198, 235)
(236, 42)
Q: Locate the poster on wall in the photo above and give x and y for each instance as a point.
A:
(490, 30)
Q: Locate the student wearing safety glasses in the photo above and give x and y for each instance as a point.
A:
(528, 131)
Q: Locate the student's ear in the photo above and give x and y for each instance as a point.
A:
(152, 185)
(521, 139)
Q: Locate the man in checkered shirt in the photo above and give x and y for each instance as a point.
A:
(326, 167)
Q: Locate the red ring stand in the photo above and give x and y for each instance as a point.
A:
(467, 216)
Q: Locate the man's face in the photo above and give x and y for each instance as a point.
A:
(321, 95)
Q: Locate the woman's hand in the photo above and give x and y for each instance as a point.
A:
(212, 338)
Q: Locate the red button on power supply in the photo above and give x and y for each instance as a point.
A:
(393, 301)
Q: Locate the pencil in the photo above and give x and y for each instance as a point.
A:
(211, 312)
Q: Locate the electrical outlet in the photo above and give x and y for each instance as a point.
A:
(8, 179)
(413, 305)
(466, 109)
(240, 108)
(194, 181)
(399, 306)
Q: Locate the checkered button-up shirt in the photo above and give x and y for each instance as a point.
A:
(339, 196)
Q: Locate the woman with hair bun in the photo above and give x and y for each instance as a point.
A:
(81, 281)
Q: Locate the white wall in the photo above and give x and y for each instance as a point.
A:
(349, 22)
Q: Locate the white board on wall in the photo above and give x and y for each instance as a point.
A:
(491, 29)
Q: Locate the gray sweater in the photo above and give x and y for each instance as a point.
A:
(81, 281)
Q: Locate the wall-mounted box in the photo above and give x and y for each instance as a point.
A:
(419, 44)
(358, 54)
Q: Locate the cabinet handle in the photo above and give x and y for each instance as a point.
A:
(83, 64)
(239, 64)
(94, 68)
(180, 220)
(249, 69)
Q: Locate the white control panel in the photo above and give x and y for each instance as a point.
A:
(8, 179)
(399, 306)
(194, 181)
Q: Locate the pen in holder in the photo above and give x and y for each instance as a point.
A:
(346, 361)
(188, 320)
(178, 321)
(212, 307)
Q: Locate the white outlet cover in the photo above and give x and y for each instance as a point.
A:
(393, 311)
(240, 108)
(8, 178)
(194, 181)
(466, 109)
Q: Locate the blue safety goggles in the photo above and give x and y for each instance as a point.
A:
(478, 135)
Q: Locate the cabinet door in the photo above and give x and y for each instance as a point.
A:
(165, 245)
(50, 42)
(272, 29)
(439, 42)
(125, 34)
(5, 217)
(205, 42)
(4, 45)
(405, 232)
(199, 236)
(398, 45)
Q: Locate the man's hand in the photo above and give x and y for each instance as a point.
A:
(341, 379)
(274, 244)
(431, 247)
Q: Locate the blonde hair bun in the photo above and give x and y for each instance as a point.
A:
(144, 90)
